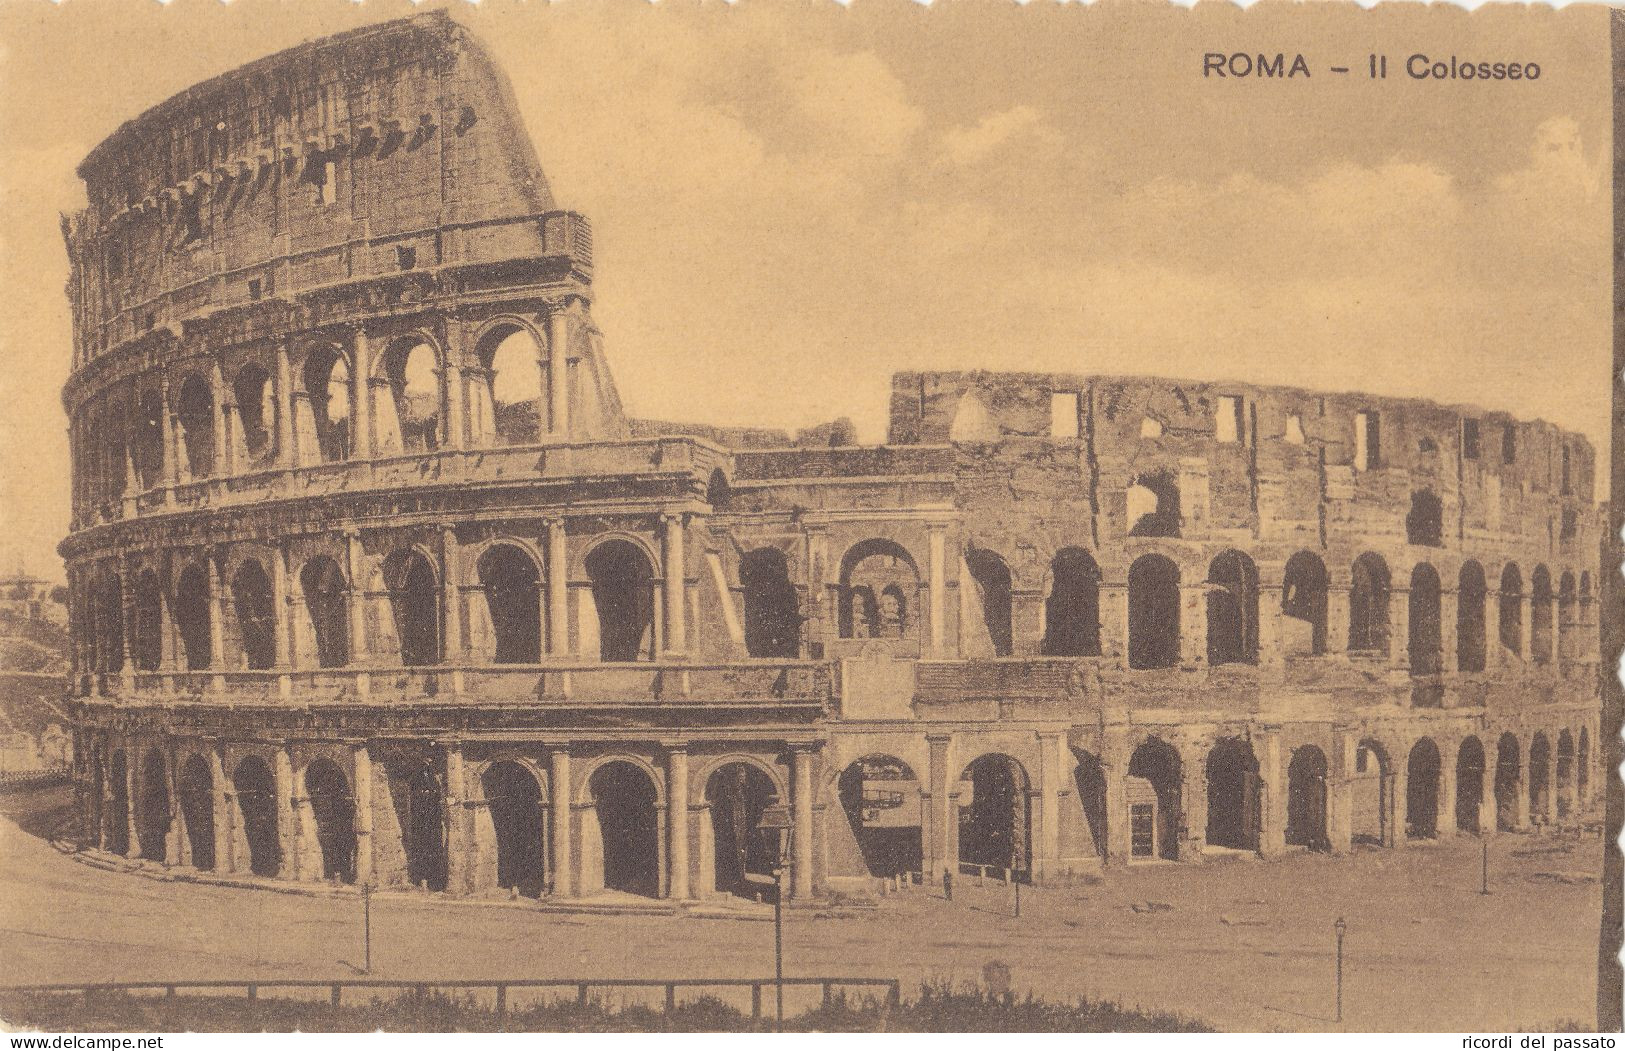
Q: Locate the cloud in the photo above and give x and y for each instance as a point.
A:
(1018, 124)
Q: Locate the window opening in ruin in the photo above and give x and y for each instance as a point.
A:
(1072, 610)
(1565, 773)
(1509, 443)
(880, 796)
(717, 492)
(414, 384)
(1510, 615)
(1508, 783)
(1570, 524)
(327, 379)
(1232, 610)
(877, 578)
(256, 615)
(324, 173)
(1234, 802)
(1540, 777)
(990, 578)
(255, 786)
(1153, 505)
(512, 586)
(147, 629)
(1367, 440)
(1582, 768)
(191, 218)
(192, 616)
(148, 447)
(972, 422)
(1065, 414)
(333, 810)
(772, 605)
(406, 257)
(1424, 525)
(1422, 791)
(517, 378)
(196, 790)
(1228, 424)
(414, 599)
(254, 288)
(1469, 439)
(421, 811)
(1368, 605)
(107, 595)
(623, 595)
(116, 815)
(514, 798)
(1153, 794)
(744, 855)
(628, 828)
(1540, 616)
(1469, 785)
(152, 814)
(1472, 591)
(1153, 612)
(1426, 633)
(1306, 799)
(1567, 486)
(1304, 588)
(1565, 617)
(994, 817)
(1427, 445)
(326, 604)
(194, 410)
(1150, 427)
(256, 409)
(1294, 429)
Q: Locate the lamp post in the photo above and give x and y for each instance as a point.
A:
(1339, 927)
(1484, 868)
(366, 926)
(776, 821)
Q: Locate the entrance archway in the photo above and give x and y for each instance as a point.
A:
(421, 810)
(116, 814)
(738, 794)
(1582, 770)
(513, 600)
(414, 599)
(1508, 783)
(191, 612)
(519, 820)
(152, 816)
(1422, 791)
(197, 810)
(622, 594)
(995, 827)
(1234, 804)
(881, 798)
(1370, 789)
(1540, 778)
(1154, 801)
(1469, 785)
(255, 786)
(1565, 773)
(1306, 799)
(623, 799)
(332, 808)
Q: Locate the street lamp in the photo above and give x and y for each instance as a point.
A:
(776, 822)
(1340, 927)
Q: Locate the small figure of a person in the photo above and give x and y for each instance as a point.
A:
(948, 884)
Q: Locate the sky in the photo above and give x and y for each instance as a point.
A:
(791, 201)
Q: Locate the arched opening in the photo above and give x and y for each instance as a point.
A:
(255, 786)
(1153, 505)
(1469, 785)
(256, 614)
(991, 579)
(108, 615)
(147, 628)
(1540, 616)
(1510, 613)
(1585, 641)
(772, 607)
(1471, 592)
(414, 386)
(995, 828)
(1582, 770)
(1508, 783)
(881, 798)
(513, 601)
(194, 411)
(255, 398)
(623, 595)
(1566, 607)
(116, 814)
(192, 616)
(1072, 610)
(517, 816)
(414, 601)
(1232, 610)
(628, 827)
(1422, 791)
(512, 359)
(1234, 803)
(421, 809)
(1371, 807)
(878, 579)
(327, 381)
(1368, 605)
(1152, 792)
(1306, 799)
(332, 807)
(743, 855)
(1153, 612)
(152, 816)
(1304, 587)
(147, 439)
(1540, 777)
(197, 810)
(717, 491)
(326, 604)
(1425, 523)
(1425, 633)
(1090, 775)
(1565, 773)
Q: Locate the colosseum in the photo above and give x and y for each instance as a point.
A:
(374, 581)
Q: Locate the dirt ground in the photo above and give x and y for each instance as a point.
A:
(1238, 944)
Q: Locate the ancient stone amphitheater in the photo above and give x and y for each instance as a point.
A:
(373, 580)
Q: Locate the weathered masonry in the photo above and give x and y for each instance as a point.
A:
(373, 579)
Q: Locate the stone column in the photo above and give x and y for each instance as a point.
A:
(451, 582)
(222, 421)
(677, 820)
(356, 569)
(1489, 817)
(175, 838)
(1399, 627)
(1193, 623)
(1051, 775)
(1549, 804)
(1337, 619)
(217, 614)
(801, 825)
(361, 383)
(224, 860)
(288, 815)
(1397, 799)
(166, 426)
(938, 536)
(455, 393)
(560, 798)
(676, 628)
(365, 866)
(818, 622)
(132, 796)
(1272, 808)
(1340, 791)
(943, 857)
(555, 411)
(287, 655)
(286, 454)
(558, 591)
(1446, 821)
(457, 868)
(1449, 643)
(1269, 624)
(1193, 801)
(1114, 767)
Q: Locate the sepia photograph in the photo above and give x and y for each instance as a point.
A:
(799, 517)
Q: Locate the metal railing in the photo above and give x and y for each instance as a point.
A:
(418, 987)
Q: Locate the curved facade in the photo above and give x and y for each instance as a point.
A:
(373, 580)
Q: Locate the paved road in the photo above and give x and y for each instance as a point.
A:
(1245, 944)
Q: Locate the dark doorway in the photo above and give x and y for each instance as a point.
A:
(1540, 778)
(152, 816)
(333, 808)
(1153, 612)
(197, 809)
(1232, 610)
(515, 799)
(1304, 588)
(1154, 800)
(1072, 611)
(414, 598)
(1565, 773)
(1472, 592)
(738, 794)
(1422, 791)
(1508, 783)
(994, 824)
(192, 616)
(1469, 785)
(624, 799)
(513, 598)
(772, 607)
(1306, 799)
(622, 592)
(1370, 790)
(326, 602)
(116, 814)
(1234, 804)
(881, 797)
(256, 803)
(256, 614)
(1425, 629)
(423, 825)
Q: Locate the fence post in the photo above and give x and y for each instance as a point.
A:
(502, 1002)
(894, 991)
(253, 992)
(671, 997)
(581, 994)
(336, 994)
(169, 992)
(826, 994)
(755, 999)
